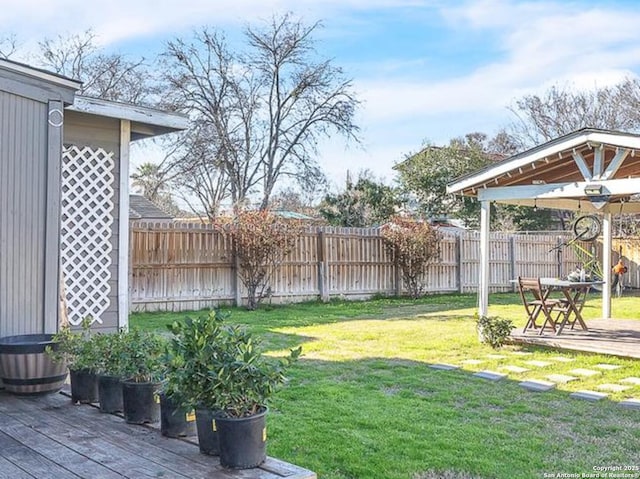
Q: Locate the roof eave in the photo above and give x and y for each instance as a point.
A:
(145, 122)
(40, 74)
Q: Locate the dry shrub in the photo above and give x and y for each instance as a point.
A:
(414, 245)
(261, 241)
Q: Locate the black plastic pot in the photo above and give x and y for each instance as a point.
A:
(207, 432)
(243, 441)
(25, 367)
(175, 421)
(141, 402)
(84, 386)
(110, 393)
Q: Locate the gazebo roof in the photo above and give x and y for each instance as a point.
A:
(590, 170)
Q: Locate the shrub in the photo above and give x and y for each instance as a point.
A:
(141, 355)
(493, 330)
(413, 246)
(221, 367)
(261, 240)
(76, 348)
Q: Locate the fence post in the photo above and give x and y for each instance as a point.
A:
(322, 267)
(237, 283)
(512, 260)
(459, 262)
(397, 279)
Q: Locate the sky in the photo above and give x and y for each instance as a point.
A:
(426, 71)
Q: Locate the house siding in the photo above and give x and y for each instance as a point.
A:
(23, 209)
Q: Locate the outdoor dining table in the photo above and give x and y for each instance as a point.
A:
(574, 295)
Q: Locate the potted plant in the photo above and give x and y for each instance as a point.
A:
(110, 371)
(141, 358)
(177, 417)
(78, 350)
(229, 380)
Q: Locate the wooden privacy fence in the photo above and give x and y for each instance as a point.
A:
(184, 266)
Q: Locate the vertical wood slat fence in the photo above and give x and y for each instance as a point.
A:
(184, 266)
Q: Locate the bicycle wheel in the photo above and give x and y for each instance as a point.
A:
(587, 227)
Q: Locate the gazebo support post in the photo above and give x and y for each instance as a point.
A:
(483, 283)
(606, 264)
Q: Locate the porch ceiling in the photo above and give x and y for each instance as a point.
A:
(556, 174)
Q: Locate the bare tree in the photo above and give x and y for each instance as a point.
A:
(305, 100)
(265, 108)
(8, 46)
(200, 180)
(560, 111)
(108, 76)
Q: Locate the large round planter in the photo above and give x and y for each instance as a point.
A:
(84, 386)
(175, 421)
(26, 369)
(207, 432)
(243, 441)
(110, 393)
(141, 402)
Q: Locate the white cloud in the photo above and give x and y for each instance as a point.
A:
(119, 20)
(542, 45)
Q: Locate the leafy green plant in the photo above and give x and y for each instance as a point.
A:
(76, 348)
(221, 367)
(494, 330)
(110, 348)
(141, 355)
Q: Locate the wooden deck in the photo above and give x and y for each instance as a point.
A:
(606, 336)
(48, 437)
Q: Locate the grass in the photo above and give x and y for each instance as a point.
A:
(363, 403)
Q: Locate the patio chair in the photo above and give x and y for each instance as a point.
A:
(536, 300)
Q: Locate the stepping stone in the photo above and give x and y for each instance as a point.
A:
(607, 367)
(631, 380)
(473, 361)
(585, 372)
(522, 353)
(496, 356)
(490, 375)
(443, 367)
(561, 359)
(614, 388)
(538, 364)
(537, 386)
(630, 403)
(561, 378)
(515, 369)
(589, 395)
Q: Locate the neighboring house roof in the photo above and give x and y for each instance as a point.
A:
(141, 208)
(293, 215)
(493, 157)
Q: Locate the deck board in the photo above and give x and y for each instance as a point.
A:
(605, 336)
(48, 437)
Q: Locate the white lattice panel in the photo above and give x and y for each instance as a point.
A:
(86, 228)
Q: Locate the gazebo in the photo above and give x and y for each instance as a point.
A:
(590, 170)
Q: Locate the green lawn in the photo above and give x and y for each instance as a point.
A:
(363, 403)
